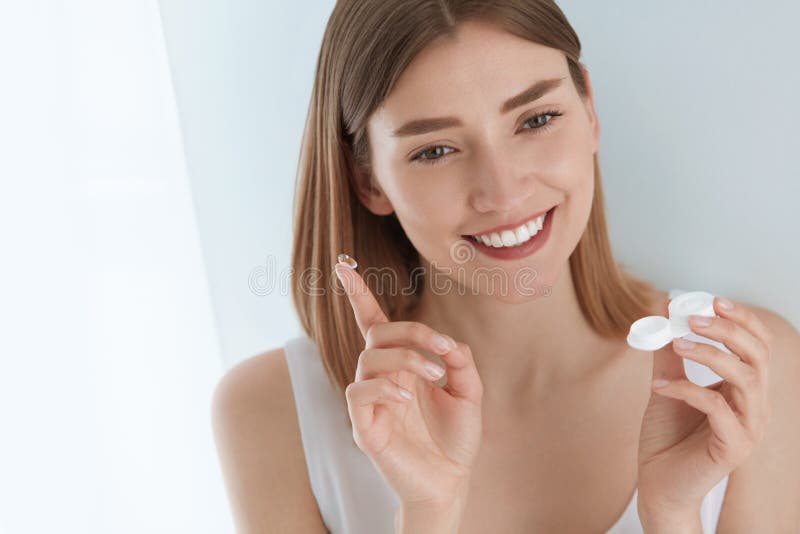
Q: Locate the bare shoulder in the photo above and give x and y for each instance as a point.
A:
(784, 345)
(763, 492)
(260, 449)
(782, 330)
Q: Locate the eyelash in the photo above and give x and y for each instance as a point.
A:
(435, 161)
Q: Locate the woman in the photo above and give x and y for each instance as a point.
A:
(451, 148)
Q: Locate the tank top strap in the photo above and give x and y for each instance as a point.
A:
(352, 495)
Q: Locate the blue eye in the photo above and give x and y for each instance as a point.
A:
(542, 126)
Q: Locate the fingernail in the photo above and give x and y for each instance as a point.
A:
(434, 370)
(683, 343)
(660, 383)
(347, 261)
(346, 284)
(699, 320)
(405, 393)
(724, 303)
(444, 343)
(338, 274)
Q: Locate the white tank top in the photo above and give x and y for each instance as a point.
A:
(353, 497)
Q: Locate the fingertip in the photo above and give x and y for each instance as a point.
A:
(338, 268)
(723, 304)
(342, 275)
(460, 356)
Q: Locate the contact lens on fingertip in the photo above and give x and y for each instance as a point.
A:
(655, 331)
(347, 260)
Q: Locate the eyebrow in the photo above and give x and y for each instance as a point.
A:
(531, 94)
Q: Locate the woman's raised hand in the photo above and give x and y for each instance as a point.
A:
(693, 436)
(425, 445)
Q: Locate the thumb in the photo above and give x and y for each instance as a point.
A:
(463, 379)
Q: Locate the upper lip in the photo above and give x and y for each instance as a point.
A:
(513, 225)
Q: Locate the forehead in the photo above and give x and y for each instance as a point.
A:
(475, 71)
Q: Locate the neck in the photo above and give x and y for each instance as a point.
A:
(523, 351)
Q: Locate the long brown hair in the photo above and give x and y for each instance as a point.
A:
(366, 46)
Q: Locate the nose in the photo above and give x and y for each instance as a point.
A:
(499, 187)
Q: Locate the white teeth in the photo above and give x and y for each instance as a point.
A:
(517, 236)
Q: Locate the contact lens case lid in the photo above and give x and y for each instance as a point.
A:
(655, 331)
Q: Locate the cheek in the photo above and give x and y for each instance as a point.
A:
(565, 159)
(424, 199)
(566, 164)
(425, 214)
(422, 207)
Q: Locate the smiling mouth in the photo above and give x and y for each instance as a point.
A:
(514, 236)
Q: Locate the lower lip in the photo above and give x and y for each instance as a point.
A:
(521, 251)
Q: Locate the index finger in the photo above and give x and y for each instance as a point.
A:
(365, 306)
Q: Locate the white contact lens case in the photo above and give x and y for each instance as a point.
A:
(655, 331)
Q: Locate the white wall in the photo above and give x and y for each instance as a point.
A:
(699, 141)
(242, 72)
(108, 348)
(698, 138)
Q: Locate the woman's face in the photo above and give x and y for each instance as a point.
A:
(501, 165)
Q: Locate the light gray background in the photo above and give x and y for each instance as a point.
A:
(699, 144)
